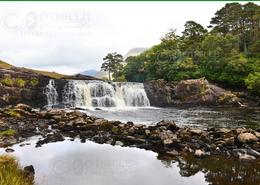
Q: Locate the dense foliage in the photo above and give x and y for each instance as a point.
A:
(228, 54)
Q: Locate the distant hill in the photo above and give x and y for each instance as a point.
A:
(91, 72)
(96, 73)
(6, 66)
(102, 75)
(134, 52)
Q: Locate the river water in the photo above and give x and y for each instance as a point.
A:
(195, 117)
(75, 163)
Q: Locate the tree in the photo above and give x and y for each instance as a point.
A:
(239, 20)
(113, 63)
(228, 54)
(193, 30)
(192, 35)
(134, 70)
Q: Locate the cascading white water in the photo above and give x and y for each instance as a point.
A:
(102, 94)
(77, 94)
(134, 94)
(51, 93)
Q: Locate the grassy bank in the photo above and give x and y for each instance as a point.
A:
(53, 74)
(11, 173)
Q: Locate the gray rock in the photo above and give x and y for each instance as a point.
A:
(246, 157)
(119, 143)
(9, 150)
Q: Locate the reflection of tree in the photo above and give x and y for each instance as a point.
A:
(218, 170)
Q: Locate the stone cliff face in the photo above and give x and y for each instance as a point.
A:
(21, 86)
(187, 92)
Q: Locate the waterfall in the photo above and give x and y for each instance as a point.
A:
(84, 93)
(76, 94)
(51, 93)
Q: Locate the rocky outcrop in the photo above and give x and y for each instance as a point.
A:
(188, 92)
(165, 138)
(20, 85)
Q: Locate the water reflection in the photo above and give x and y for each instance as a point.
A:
(67, 162)
(218, 170)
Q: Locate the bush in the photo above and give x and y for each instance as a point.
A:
(7, 81)
(9, 132)
(34, 82)
(20, 82)
(253, 82)
(11, 173)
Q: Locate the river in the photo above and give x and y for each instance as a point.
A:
(72, 162)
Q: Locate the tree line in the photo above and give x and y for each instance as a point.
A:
(227, 52)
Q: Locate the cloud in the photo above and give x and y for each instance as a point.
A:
(70, 37)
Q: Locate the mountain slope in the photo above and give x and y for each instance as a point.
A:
(91, 72)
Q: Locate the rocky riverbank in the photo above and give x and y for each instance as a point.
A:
(165, 138)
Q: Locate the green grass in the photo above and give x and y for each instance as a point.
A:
(11, 82)
(11, 173)
(20, 82)
(34, 82)
(49, 74)
(12, 113)
(53, 74)
(9, 132)
(7, 81)
(4, 65)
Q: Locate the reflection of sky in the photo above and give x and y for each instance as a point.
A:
(78, 163)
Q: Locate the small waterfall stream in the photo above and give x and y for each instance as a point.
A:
(51, 93)
(84, 93)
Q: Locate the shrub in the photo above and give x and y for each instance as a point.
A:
(253, 82)
(20, 82)
(9, 132)
(7, 81)
(11, 173)
(34, 82)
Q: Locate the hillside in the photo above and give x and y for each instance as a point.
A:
(4, 65)
(49, 74)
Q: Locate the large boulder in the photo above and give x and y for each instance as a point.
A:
(188, 92)
(247, 137)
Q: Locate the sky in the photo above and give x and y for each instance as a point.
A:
(71, 37)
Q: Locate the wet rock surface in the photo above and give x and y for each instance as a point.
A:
(165, 138)
(188, 92)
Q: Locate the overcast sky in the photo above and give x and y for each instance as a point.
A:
(70, 37)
